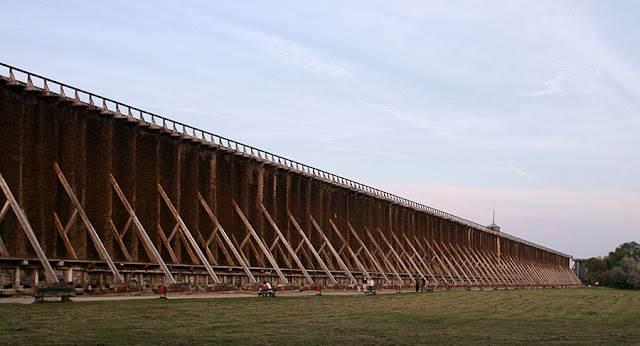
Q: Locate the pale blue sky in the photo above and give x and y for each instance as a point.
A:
(528, 107)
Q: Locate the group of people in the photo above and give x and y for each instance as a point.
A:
(421, 285)
(366, 283)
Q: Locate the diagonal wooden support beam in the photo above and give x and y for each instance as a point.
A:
(167, 244)
(313, 250)
(97, 242)
(448, 261)
(366, 251)
(442, 265)
(63, 232)
(116, 235)
(346, 245)
(3, 212)
(333, 250)
(452, 259)
(411, 262)
(260, 242)
(398, 258)
(386, 260)
(482, 277)
(286, 244)
(424, 265)
(431, 260)
(26, 227)
(485, 266)
(187, 234)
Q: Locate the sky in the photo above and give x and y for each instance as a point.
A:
(528, 108)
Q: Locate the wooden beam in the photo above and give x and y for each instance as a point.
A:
(167, 244)
(123, 248)
(286, 244)
(93, 234)
(346, 245)
(313, 250)
(366, 251)
(443, 266)
(63, 234)
(260, 242)
(393, 251)
(424, 264)
(382, 255)
(411, 261)
(187, 234)
(333, 250)
(26, 227)
(226, 238)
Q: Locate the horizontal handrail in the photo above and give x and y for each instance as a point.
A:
(85, 98)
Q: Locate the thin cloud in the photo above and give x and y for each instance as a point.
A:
(521, 172)
(552, 86)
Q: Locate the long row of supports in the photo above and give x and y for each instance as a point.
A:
(399, 259)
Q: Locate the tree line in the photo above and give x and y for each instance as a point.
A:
(619, 269)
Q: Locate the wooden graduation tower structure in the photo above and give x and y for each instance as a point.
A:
(108, 196)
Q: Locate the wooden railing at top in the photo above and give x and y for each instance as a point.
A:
(120, 110)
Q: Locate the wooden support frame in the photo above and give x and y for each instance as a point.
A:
(353, 254)
(62, 231)
(286, 244)
(366, 250)
(185, 231)
(148, 245)
(260, 242)
(333, 250)
(95, 238)
(313, 250)
(411, 262)
(26, 227)
(453, 260)
(442, 265)
(475, 266)
(413, 280)
(424, 264)
(383, 256)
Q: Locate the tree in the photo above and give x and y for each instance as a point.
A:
(631, 249)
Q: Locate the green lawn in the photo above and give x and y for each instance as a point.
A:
(533, 316)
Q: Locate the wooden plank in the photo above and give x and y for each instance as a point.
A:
(286, 244)
(63, 235)
(187, 234)
(382, 255)
(333, 250)
(346, 245)
(5, 208)
(364, 248)
(192, 255)
(313, 250)
(148, 245)
(393, 251)
(93, 234)
(260, 242)
(26, 227)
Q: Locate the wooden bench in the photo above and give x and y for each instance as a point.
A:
(370, 290)
(47, 292)
(267, 292)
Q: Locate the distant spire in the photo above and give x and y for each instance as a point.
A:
(493, 225)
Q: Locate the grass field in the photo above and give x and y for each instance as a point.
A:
(532, 316)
